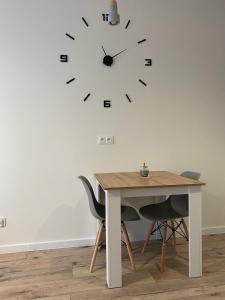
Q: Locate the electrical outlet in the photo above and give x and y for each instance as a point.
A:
(110, 140)
(2, 222)
(101, 140)
(105, 140)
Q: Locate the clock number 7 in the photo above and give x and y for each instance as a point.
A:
(107, 103)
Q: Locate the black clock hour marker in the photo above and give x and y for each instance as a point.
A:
(142, 41)
(128, 23)
(107, 103)
(128, 98)
(148, 62)
(85, 22)
(71, 80)
(63, 58)
(88, 95)
(141, 81)
(70, 36)
(105, 17)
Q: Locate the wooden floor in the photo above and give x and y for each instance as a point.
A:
(63, 274)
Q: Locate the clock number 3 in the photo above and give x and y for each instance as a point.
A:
(148, 62)
(107, 103)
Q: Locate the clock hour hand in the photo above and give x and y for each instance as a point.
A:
(104, 50)
(119, 53)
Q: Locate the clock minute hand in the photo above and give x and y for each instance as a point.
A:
(104, 50)
(118, 53)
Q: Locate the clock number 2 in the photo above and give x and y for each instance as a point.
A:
(107, 103)
(105, 17)
(63, 58)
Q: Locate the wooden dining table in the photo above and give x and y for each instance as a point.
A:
(159, 183)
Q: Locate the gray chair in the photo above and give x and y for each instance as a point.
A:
(174, 208)
(98, 211)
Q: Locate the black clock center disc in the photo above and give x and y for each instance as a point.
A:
(108, 60)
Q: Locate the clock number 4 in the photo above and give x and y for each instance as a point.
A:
(64, 58)
(105, 17)
(107, 103)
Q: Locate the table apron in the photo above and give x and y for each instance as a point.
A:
(161, 191)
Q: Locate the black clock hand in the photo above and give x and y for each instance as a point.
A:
(119, 53)
(104, 50)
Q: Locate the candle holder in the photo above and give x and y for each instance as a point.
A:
(144, 172)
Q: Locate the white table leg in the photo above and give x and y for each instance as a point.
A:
(113, 239)
(195, 232)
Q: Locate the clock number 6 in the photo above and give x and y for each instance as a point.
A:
(107, 103)
(64, 58)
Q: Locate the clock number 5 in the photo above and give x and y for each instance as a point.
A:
(64, 58)
(107, 103)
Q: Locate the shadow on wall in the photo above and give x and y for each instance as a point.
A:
(64, 223)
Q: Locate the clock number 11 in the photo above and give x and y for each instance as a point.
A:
(105, 17)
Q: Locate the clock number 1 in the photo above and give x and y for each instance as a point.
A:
(63, 58)
(107, 103)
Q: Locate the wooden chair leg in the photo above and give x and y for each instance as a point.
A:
(185, 228)
(125, 230)
(148, 238)
(127, 242)
(174, 234)
(98, 240)
(162, 261)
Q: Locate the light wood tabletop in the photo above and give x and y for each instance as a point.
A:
(132, 180)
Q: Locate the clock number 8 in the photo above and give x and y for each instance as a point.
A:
(107, 103)
(63, 58)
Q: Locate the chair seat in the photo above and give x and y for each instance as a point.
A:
(159, 212)
(129, 214)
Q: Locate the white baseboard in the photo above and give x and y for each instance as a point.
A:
(213, 230)
(13, 248)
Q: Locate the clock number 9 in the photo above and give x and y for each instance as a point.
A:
(63, 58)
(107, 103)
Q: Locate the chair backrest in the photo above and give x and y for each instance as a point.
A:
(97, 209)
(180, 202)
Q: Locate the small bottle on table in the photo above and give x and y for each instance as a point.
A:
(144, 172)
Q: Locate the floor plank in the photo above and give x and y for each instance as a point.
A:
(63, 274)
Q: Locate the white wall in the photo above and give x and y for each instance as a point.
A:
(48, 135)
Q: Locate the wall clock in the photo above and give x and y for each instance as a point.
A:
(108, 59)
